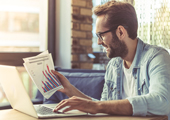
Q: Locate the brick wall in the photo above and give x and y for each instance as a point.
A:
(81, 34)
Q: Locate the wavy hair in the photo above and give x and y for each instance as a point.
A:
(119, 13)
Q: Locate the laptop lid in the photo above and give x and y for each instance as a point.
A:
(18, 97)
(15, 90)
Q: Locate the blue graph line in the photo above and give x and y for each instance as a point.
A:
(51, 82)
(56, 79)
(53, 79)
(49, 85)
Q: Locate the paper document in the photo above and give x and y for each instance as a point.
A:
(39, 69)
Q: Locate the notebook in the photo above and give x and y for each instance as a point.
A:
(19, 99)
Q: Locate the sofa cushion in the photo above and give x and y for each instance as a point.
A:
(89, 83)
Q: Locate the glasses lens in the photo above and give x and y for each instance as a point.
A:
(101, 38)
(98, 35)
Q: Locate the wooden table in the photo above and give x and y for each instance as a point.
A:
(11, 114)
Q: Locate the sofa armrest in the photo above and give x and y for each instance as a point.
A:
(6, 105)
(37, 101)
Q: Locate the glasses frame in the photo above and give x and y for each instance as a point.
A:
(100, 33)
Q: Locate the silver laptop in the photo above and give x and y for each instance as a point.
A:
(19, 99)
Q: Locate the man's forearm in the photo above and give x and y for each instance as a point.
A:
(75, 92)
(115, 107)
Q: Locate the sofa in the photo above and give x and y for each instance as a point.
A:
(90, 82)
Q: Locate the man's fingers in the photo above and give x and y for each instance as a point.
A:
(75, 103)
(68, 109)
(64, 103)
(55, 72)
(73, 97)
(61, 105)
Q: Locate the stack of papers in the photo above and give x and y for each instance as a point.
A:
(39, 69)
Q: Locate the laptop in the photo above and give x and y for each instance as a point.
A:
(19, 99)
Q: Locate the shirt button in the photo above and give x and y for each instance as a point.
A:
(111, 88)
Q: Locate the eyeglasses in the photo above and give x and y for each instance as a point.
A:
(100, 33)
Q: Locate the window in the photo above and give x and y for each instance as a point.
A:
(23, 25)
(27, 27)
(23, 29)
(153, 24)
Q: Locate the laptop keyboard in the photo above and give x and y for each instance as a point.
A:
(45, 110)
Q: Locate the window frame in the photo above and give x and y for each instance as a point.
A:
(15, 58)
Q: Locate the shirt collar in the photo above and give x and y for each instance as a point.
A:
(137, 59)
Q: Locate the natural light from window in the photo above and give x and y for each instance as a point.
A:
(23, 25)
(153, 23)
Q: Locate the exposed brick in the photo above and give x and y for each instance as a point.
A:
(92, 59)
(78, 18)
(83, 49)
(83, 58)
(86, 27)
(78, 34)
(89, 35)
(89, 19)
(86, 65)
(81, 3)
(78, 49)
(75, 41)
(89, 4)
(82, 19)
(86, 42)
(75, 26)
(81, 43)
(75, 57)
(84, 11)
(75, 65)
(89, 50)
(75, 10)
(75, 49)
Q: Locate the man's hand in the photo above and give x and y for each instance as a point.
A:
(64, 81)
(114, 107)
(82, 104)
(69, 89)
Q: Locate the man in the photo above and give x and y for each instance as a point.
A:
(137, 79)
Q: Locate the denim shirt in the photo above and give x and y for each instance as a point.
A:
(152, 74)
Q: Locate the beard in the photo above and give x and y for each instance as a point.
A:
(117, 48)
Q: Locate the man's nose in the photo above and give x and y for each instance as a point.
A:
(99, 41)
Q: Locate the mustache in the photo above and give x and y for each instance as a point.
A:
(104, 49)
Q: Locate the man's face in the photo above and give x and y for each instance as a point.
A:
(109, 40)
(116, 47)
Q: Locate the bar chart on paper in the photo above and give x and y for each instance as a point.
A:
(39, 68)
(51, 80)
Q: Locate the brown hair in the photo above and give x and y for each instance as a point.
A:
(119, 13)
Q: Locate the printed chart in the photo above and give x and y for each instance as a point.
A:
(39, 69)
(52, 81)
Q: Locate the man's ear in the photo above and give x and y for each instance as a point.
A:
(120, 32)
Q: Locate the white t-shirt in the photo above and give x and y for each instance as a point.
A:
(128, 83)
